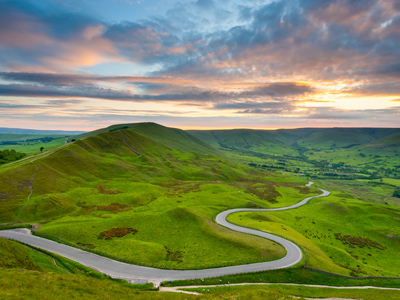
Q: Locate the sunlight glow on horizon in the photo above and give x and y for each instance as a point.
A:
(265, 64)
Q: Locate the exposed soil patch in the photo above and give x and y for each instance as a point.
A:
(34, 227)
(361, 242)
(103, 190)
(113, 208)
(116, 232)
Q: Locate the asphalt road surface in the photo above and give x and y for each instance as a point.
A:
(140, 274)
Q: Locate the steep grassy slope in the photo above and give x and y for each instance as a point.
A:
(102, 157)
(15, 255)
(170, 137)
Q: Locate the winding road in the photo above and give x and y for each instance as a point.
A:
(140, 274)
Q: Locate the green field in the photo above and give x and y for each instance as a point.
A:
(320, 228)
(281, 292)
(148, 194)
(30, 144)
(26, 273)
(37, 285)
(332, 153)
(173, 189)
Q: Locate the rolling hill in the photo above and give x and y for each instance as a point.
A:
(144, 177)
(307, 137)
(143, 151)
(147, 194)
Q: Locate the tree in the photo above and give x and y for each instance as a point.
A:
(41, 149)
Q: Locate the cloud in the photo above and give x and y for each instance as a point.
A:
(376, 89)
(81, 79)
(12, 106)
(315, 39)
(61, 40)
(63, 85)
(259, 58)
(98, 118)
(19, 90)
(374, 115)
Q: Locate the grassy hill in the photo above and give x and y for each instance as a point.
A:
(104, 157)
(171, 137)
(325, 151)
(306, 137)
(161, 188)
(144, 177)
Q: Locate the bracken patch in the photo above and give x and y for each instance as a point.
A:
(116, 232)
(361, 242)
(85, 245)
(113, 208)
(103, 190)
(175, 256)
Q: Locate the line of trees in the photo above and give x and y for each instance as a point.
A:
(10, 155)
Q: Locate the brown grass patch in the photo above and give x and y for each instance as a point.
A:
(113, 208)
(178, 188)
(103, 190)
(266, 192)
(359, 241)
(116, 232)
(85, 245)
(175, 256)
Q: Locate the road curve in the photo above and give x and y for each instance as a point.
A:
(140, 274)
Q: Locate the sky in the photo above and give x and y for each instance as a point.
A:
(202, 64)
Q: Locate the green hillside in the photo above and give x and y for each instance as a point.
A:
(315, 152)
(386, 142)
(306, 137)
(147, 194)
(145, 177)
(15, 255)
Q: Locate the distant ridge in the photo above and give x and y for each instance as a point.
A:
(38, 132)
(323, 138)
